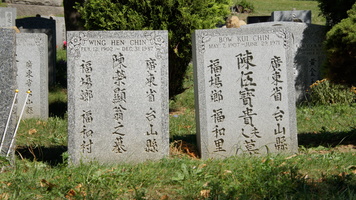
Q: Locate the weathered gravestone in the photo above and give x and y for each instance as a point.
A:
(258, 19)
(7, 17)
(117, 96)
(308, 52)
(292, 16)
(8, 86)
(244, 91)
(47, 26)
(32, 74)
(60, 30)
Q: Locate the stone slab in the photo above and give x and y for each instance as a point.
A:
(60, 30)
(258, 19)
(117, 96)
(32, 64)
(8, 86)
(292, 16)
(244, 91)
(7, 17)
(47, 26)
(308, 53)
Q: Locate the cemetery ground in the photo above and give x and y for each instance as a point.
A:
(324, 167)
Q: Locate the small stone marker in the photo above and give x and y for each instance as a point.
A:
(47, 26)
(32, 64)
(292, 16)
(308, 52)
(7, 17)
(258, 19)
(117, 96)
(8, 86)
(244, 91)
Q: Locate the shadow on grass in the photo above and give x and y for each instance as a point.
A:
(50, 155)
(57, 109)
(327, 139)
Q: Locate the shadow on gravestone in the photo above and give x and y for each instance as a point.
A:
(42, 25)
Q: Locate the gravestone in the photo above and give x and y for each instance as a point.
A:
(117, 96)
(292, 16)
(8, 86)
(47, 26)
(244, 91)
(258, 19)
(7, 17)
(308, 53)
(32, 64)
(60, 30)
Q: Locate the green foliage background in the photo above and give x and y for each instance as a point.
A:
(334, 11)
(179, 17)
(341, 50)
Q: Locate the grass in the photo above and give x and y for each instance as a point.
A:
(324, 168)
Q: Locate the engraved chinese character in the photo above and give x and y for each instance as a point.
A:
(151, 146)
(244, 60)
(119, 146)
(279, 130)
(87, 146)
(251, 146)
(246, 96)
(119, 95)
(277, 93)
(276, 63)
(219, 145)
(118, 112)
(247, 116)
(86, 95)
(218, 115)
(151, 64)
(216, 96)
(86, 67)
(86, 133)
(215, 81)
(151, 95)
(150, 81)
(87, 117)
(218, 131)
(278, 115)
(246, 79)
(120, 77)
(215, 66)
(281, 143)
(86, 81)
(151, 115)
(252, 134)
(118, 61)
(117, 129)
(151, 131)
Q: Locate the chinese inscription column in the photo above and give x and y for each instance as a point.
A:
(216, 97)
(280, 130)
(119, 100)
(249, 132)
(86, 94)
(151, 84)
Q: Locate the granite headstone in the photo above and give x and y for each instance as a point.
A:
(258, 19)
(244, 91)
(7, 17)
(8, 86)
(117, 96)
(292, 16)
(32, 65)
(308, 52)
(47, 26)
(60, 30)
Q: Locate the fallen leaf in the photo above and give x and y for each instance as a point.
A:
(32, 131)
(205, 193)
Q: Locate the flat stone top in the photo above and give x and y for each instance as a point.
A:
(32, 10)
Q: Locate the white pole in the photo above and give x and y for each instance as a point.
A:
(17, 126)
(8, 119)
